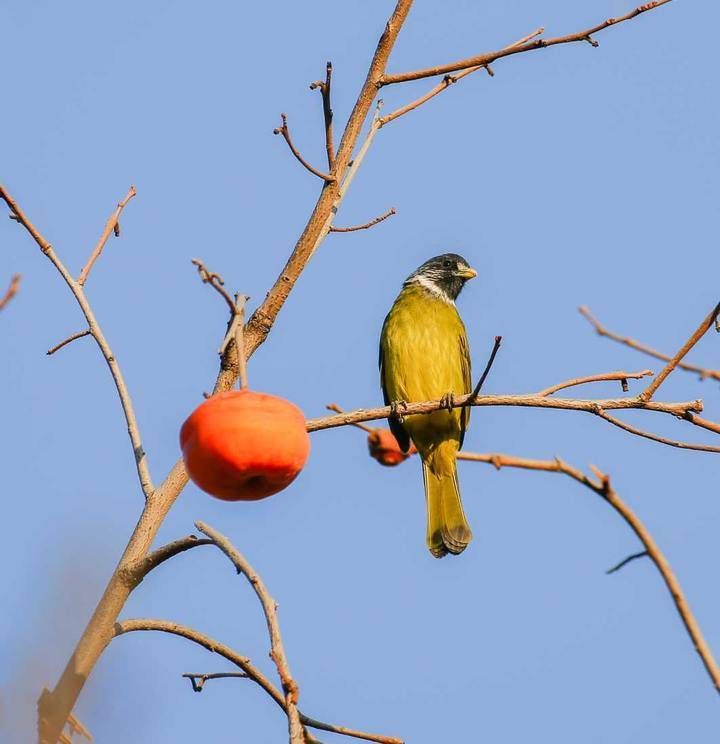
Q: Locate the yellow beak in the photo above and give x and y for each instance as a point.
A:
(467, 273)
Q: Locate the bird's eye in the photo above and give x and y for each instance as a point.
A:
(447, 264)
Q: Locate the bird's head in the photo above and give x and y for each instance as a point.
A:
(445, 275)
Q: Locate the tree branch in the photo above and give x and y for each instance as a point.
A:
(324, 88)
(366, 225)
(68, 340)
(242, 662)
(164, 553)
(11, 291)
(215, 281)
(623, 377)
(198, 680)
(699, 332)
(625, 561)
(286, 134)
(277, 650)
(602, 331)
(449, 80)
(112, 225)
(487, 58)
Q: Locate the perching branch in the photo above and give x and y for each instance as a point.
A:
(243, 663)
(487, 58)
(601, 330)
(366, 225)
(277, 650)
(324, 88)
(11, 291)
(111, 226)
(285, 131)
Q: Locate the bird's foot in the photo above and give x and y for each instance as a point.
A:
(395, 407)
(448, 401)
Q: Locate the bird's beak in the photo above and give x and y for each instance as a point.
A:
(467, 273)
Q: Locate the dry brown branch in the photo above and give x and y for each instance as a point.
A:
(366, 225)
(198, 680)
(285, 131)
(623, 377)
(164, 553)
(111, 226)
(242, 662)
(215, 281)
(68, 340)
(699, 332)
(11, 291)
(449, 80)
(488, 367)
(487, 58)
(96, 332)
(324, 88)
(602, 331)
(277, 650)
(601, 486)
(335, 407)
(679, 410)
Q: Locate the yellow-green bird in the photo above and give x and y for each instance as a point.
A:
(424, 355)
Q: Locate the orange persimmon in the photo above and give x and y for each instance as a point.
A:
(244, 445)
(384, 448)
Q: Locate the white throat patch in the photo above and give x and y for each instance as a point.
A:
(424, 282)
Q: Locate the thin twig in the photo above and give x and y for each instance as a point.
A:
(487, 58)
(699, 332)
(243, 663)
(164, 553)
(11, 291)
(112, 225)
(486, 371)
(602, 487)
(449, 80)
(68, 340)
(324, 88)
(277, 650)
(625, 561)
(285, 131)
(366, 225)
(601, 330)
(602, 377)
(215, 281)
(96, 332)
(198, 680)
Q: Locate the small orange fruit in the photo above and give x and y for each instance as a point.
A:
(384, 448)
(244, 445)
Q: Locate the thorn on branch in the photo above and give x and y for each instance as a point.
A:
(366, 225)
(625, 561)
(286, 134)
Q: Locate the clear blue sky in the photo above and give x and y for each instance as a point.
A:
(576, 175)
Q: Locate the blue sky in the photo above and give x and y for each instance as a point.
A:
(574, 176)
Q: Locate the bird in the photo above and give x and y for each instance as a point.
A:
(424, 355)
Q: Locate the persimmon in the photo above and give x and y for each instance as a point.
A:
(384, 448)
(244, 445)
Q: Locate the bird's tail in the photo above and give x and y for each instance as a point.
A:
(448, 530)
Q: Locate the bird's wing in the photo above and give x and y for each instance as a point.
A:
(467, 382)
(396, 427)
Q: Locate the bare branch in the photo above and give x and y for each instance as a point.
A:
(215, 281)
(625, 561)
(285, 131)
(487, 58)
(449, 80)
(277, 650)
(366, 225)
(488, 366)
(602, 331)
(111, 226)
(335, 407)
(68, 340)
(11, 291)
(242, 662)
(96, 332)
(602, 377)
(324, 88)
(164, 553)
(699, 332)
(198, 680)
(602, 487)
